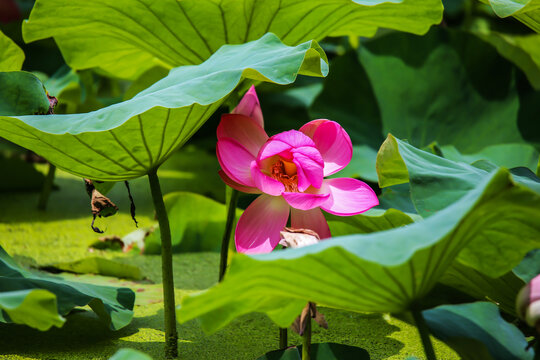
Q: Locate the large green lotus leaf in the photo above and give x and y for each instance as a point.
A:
(113, 305)
(127, 37)
(507, 155)
(440, 87)
(11, 56)
(502, 290)
(128, 139)
(22, 93)
(197, 224)
(435, 182)
(526, 11)
(478, 332)
(359, 273)
(35, 308)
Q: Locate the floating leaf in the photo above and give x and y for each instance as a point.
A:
(98, 266)
(113, 305)
(35, 308)
(129, 354)
(11, 56)
(319, 351)
(172, 33)
(128, 139)
(478, 332)
(359, 273)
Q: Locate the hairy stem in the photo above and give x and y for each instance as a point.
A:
(231, 216)
(171, 336)
(306, 340)
(47, 188)
(283, 343)
(424, 334)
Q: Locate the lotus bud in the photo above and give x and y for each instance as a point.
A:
(528, 303)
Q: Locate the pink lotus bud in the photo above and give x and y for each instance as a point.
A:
(528, 303)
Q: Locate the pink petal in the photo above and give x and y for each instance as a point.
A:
(333, 143)
(311, 169)
(271, 148)
(250, 106)
(246, 189)
(244, 130)
(294, 138)
(236, 161)
(305, 201)
(348, 196)
(259, 226)
(311, 219)
(265, 183)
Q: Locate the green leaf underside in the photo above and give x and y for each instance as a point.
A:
(358, 273)
(526, 11)
(319, 351)
(371, 221)
(126, 140)
(506, 155)
(22, 93)
(502, 290)
(480, 325)
(113, 305)
(11, 56)
(197, 224)
(171, 33)
(35, 308)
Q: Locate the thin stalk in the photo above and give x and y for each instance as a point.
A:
(171, 336)
(231, 217)
(306, 341)
(47, 188)
(424, 334)
(283, 342)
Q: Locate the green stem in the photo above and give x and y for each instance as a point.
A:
(231, 216)
(171, 336)
(306, 341)
(47, 188)
(283, 343)
(424, 334)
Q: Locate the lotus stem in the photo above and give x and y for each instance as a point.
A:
(424, 334)
(283, 342)
(306, 340)
(231, 217)
(171, 335)
(47, 188)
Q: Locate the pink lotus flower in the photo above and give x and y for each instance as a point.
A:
(289, 170)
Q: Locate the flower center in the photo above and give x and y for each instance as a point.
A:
(285, 172)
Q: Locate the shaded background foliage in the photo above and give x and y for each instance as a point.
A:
(461, 100)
